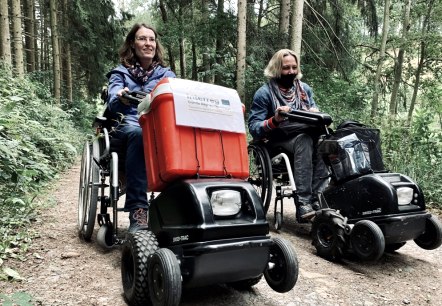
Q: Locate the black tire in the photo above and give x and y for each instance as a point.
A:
(134, 260)
(432, 237)
(367, 240)
(84, 170)
(164, 276)
(278, 220)
(282, 271)
(393, 247)
(328, 234)
(260, 176)
(245, 284)
(88, 190)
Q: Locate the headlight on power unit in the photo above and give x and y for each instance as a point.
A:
(404, 195)
(225, 202)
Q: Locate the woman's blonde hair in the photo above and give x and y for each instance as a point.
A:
(274, 67)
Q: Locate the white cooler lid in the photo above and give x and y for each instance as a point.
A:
(204, 105)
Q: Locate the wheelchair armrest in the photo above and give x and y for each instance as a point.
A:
(309, 117)
(99, 121)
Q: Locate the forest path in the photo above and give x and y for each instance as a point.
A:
(60, 269)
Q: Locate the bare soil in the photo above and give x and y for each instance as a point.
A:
(60, 269)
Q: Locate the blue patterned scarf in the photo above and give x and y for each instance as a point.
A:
(140, 74)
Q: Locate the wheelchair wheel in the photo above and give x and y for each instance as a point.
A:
(135, 253)
(282, 271)
(328, 234)
(261, 176)
(278, 220)
(164, 275)
(88, 190)
(367, 240)
(105, 237)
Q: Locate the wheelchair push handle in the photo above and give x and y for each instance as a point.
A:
(134, 97)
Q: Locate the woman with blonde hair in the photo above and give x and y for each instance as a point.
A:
(282, 93)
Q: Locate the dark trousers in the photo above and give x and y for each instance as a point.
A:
(309, 170)
(135, 169)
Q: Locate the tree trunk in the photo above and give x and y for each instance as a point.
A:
(165, 21)
(207, 78)
(260, 13)
(5, 38)
(194, 61)
(67, 59)
(55, 51)
(241, 53)
(284, 22)
(219, 41)
(17, 39)
(35, 40)
(206, 57)
(44, 50)
(386, 24)
(30, 36)
(182, 57)
(182, 43)
(420, 65)
(400, 59)
(296, 34)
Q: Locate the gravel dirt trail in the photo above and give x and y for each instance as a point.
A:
(60, 269)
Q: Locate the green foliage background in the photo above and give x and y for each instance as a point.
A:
(38, 140)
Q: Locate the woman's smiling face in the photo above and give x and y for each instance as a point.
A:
(145, 46)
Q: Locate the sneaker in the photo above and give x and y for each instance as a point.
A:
(304, 212)
(138, 219)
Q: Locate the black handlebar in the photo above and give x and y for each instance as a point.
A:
(308, 117)
(134, 97)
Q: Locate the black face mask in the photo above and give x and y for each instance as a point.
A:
(286, 80)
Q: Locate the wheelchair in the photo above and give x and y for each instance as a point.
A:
(271, 169)
(365, 209)
(204, 228)
(102, 181)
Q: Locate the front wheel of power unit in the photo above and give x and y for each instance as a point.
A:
(367, 240)
(282, 270)
(164, 276)
(134, 260)
(328, 230)
(432, 237)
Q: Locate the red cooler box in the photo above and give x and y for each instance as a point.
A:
(175, 152)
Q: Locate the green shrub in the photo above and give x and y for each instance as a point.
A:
(37, 141)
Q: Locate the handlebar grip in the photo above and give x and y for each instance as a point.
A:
(308, 117)
(134, 97)
(295, 117)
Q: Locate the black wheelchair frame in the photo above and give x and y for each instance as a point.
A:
(267, 168)
(360, 212)
(101, 181)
